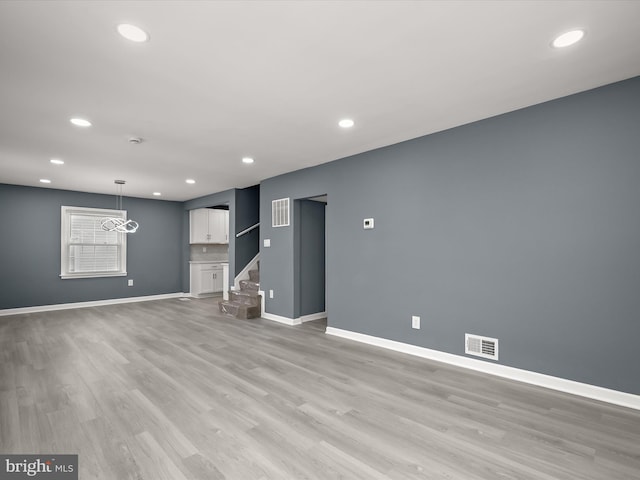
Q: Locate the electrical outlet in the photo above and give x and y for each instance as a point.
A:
(270, 293)
(130, 282)
(415, 322)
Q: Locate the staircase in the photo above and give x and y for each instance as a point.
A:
(246, 302)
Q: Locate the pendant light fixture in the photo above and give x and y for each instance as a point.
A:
(116, 224)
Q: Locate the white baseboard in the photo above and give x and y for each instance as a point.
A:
(555, 383)
(279, 319)
(294, 321)
(312, 317)
(97, 303)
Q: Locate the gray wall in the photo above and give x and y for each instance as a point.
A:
(277, 263)
(309, 257)
(523, 227)
(30, 248)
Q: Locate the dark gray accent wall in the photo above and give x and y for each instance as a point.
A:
(30, 248)
(523, 227)
(247, 214)
(309, 257)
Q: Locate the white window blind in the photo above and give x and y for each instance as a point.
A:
(280, 212)
(86, 249)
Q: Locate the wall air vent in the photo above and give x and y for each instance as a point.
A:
(280, 213)
(484, 347)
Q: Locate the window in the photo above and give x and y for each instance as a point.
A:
(86, 249)
(280, 213)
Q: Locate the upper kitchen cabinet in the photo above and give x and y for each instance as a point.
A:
(209, 225)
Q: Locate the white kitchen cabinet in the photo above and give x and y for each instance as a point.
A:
(208, 225)
(219, 226)
(216, 278)
(199, 225)
(206, 279)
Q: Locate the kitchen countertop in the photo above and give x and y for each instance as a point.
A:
(221, 262)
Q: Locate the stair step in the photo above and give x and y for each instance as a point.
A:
(239, 310)
(249, 285)
(247, 297)
(254, 276)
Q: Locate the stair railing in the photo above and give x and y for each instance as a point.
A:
(247, 230)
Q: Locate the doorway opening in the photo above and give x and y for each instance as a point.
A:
(310, 252)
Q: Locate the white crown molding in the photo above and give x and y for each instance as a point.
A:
(555, 383)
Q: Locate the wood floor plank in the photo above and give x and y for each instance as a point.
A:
(9, 421)
(172, 390)
(153, 459)
(102, 457)
(201, 468)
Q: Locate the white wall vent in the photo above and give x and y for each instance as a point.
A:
(481, 346)
(280, 212)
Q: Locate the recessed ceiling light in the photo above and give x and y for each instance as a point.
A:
(133, 33)
(346, 123)
(80, 122)
(190, 181)
(57, 161)
(247, 160)
(45, 180)
(568, 38)
(156, 194)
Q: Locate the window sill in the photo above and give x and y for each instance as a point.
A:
(68, 276)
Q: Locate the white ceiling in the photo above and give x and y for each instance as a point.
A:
(222, 80)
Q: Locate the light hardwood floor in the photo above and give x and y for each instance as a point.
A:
(171, 390)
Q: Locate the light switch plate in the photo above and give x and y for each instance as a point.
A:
(267, 242)
(415, 322)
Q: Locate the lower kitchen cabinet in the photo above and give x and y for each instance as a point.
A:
(206, 279)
